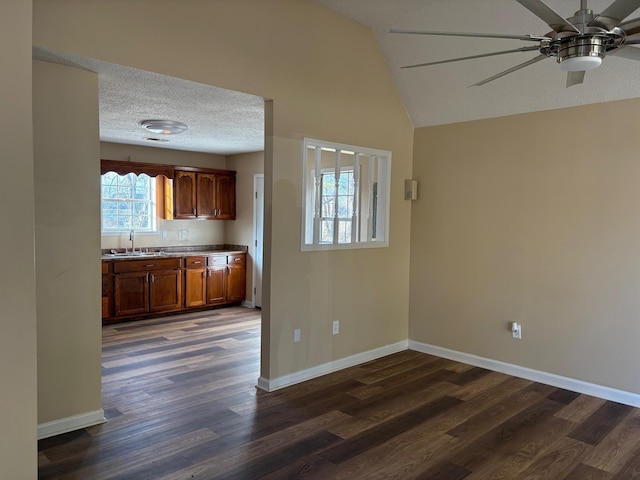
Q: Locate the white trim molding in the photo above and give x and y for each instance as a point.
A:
(271, 385)
(69, 424)
(579, 386)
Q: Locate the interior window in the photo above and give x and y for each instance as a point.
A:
(345, 196)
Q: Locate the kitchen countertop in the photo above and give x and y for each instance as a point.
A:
(172, 252)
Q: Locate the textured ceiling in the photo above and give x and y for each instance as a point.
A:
(441, 94)
(220, 121)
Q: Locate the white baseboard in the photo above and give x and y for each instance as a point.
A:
(271, 385)
(248, 304)
(68, 424)
(607, 393)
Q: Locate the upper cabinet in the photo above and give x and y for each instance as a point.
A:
(226, 196)
(204, 195)
(196, 192)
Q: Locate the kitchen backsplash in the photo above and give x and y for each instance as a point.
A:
(171, 233)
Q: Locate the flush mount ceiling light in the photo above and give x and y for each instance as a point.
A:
(163, 127)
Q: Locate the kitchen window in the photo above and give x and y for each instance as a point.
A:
(128, 202)
(345, 196)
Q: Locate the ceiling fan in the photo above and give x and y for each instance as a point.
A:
(578, 43)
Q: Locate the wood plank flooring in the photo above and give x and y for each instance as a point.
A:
(180, 396)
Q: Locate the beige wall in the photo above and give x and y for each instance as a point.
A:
(67, 183)
(240, 231)
(18, 415)
(249, 48)
(532, 218)
(198, 232)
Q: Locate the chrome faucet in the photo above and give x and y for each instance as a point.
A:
(132, 239)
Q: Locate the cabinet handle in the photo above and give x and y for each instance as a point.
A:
(153, 278)
(197, 263)
(194, 211)
(150, 265)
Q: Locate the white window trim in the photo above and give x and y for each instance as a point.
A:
(307, 242)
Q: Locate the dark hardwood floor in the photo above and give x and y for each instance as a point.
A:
(181, 401)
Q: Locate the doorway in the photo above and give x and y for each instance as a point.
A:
(258, 236)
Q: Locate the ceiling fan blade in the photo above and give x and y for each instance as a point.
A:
(631, 27)
(575, 78)
(552, 18)
(482, 55)
(511, 70)
(535, 38)
(615, 13)
(630, 53)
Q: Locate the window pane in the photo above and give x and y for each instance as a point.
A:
(328, 206)
(345, 185)
(345, 207)
(328, 184)
(344, 232)
(326, 231)
(124, 223)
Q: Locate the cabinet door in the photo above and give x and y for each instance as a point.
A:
(165, 291)
(206, 195)
(216, 284)
(184, 194)
(236, 282)
(131, 293)
(195, 287)
(226, 197)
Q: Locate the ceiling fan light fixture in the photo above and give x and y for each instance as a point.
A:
(163, 127)
(577, 54)
(580, 64)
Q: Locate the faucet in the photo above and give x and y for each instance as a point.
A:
(132, 239)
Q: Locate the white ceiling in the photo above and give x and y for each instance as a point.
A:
(220, 121)
(440, 94)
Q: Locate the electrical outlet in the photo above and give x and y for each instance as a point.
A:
(516, 330)
(184, 234)
(296, 335)
(336, 327)
(164, 234)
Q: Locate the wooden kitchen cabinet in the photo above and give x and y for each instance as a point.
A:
(184, 194)
(226, 197)
(107, 290)
(236, 278)
(165, 291)
(147, 286)
(217, 284)
(195, 282)
(138, 288)
(226, 279)
(131, 293)
(204, 195)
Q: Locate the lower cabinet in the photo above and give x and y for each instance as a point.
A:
(135, 288)
(195, 282)
(226, 279)
(147, 286)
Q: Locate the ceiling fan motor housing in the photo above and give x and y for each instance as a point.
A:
(591, 49)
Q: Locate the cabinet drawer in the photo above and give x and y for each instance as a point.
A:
(217, 260)
(105, 267)
(150, 264)
(195, 262)
(236, 258)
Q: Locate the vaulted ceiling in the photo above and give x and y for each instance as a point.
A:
(442, 94)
